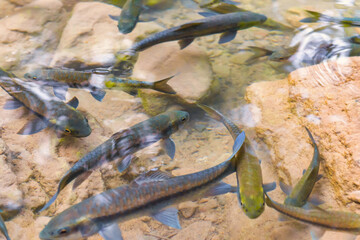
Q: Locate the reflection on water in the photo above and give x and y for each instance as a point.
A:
(271, 67)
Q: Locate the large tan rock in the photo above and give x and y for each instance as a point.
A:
(193, 79)
(91, 37)
(30, 33)
(324, 99)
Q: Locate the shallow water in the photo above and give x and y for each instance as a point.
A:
(272, 101)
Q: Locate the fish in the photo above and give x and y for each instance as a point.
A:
(3, 228)
(277, 55)
(131, 86)
(227, 24)
(151, 194)
(248, 171)
(317, 216)
(61, 79)
(129, 16)
(345, 21)
(49, 110)
(299, 195)
(122, 145)
(225, 7)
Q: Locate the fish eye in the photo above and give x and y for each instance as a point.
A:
(183, 119)
(63, 231)
(67, 130)
(34, 78)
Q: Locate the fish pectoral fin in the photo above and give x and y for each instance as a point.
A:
(124, 163)
(207, 14)
(268, 187)
(80, 179)
(316, 233)
(285, 188)
(220, 188)
(60, 92)
(183, 43)
(132, 92)
(111, 232)
(33, 126)
(319, 177)
(283, 218)
(12, 104)
(169, 146)
(314, 200)
(115, 18)
(98, 94)
(188, 25)
(227, 36)
(169, 217)
(74, 102)
(153, 175)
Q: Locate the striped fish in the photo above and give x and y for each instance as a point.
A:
(226, 24)
(61, 79)
(50, 111)
(248, 171)
(122, 145)
(150, 194)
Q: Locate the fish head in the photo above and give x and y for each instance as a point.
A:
(65, 226)
(33, 75)
(249, 19)
(171, 121)
(127, 24)
(253, 205)
(124, 64)
(280, 55)
(75, 125)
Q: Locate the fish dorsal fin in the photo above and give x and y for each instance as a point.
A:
(153, 175)
(74, 102)
(188, 25)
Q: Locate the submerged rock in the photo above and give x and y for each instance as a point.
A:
(29, 33)
(91, 37)
(193, 79)
(323, 98)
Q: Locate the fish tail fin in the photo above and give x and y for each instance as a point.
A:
(315, 17)
(48, 204)
(212, 112)
(232, 128)
(65, 180)
(258, 53)
(316, 150)
(163, 86)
